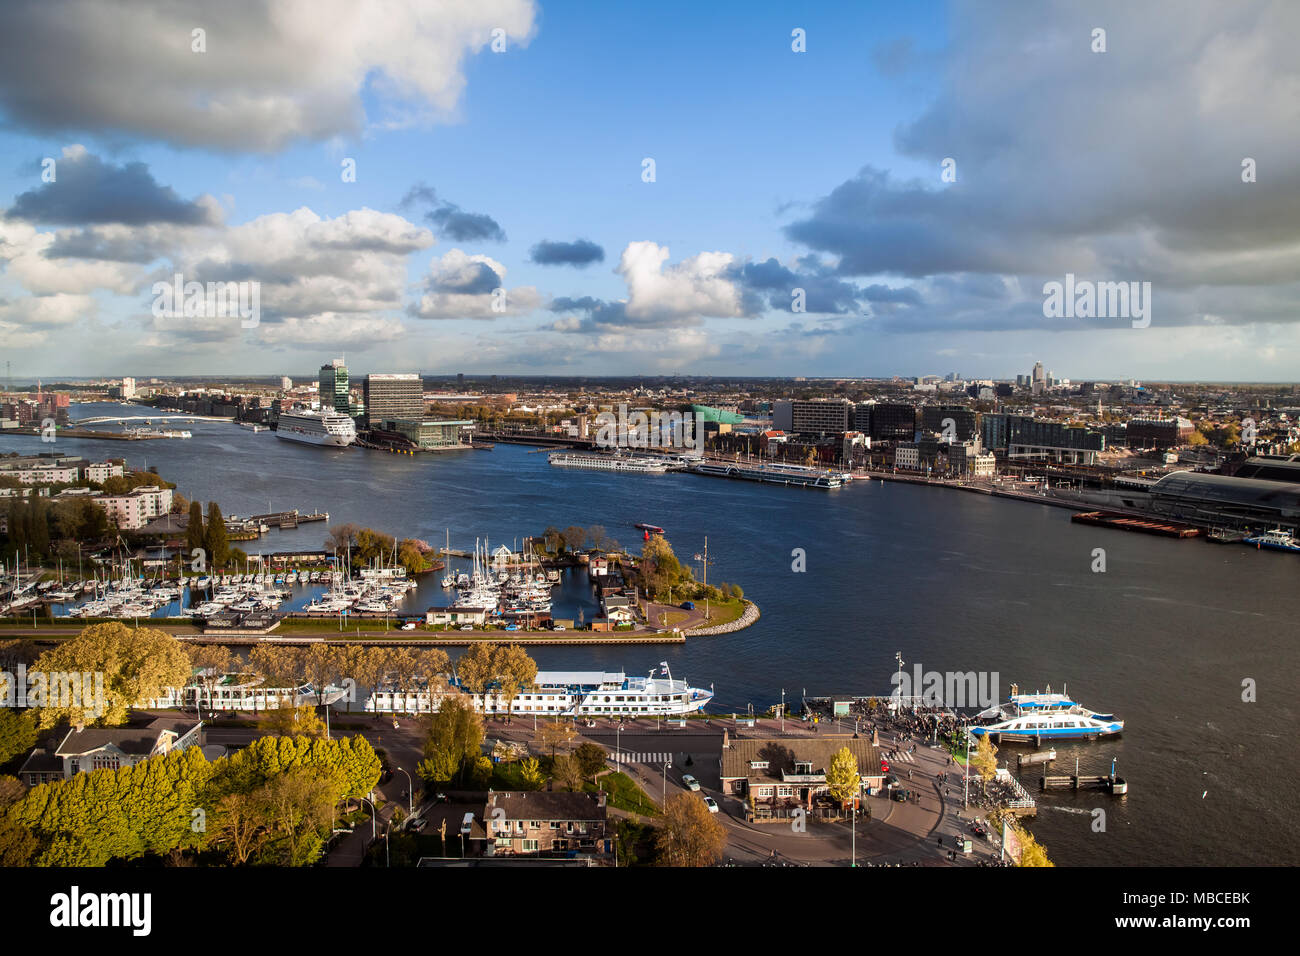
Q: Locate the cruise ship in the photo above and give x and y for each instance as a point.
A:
(326, 427)
(644, 466)
(568, 694)
(1035, 718)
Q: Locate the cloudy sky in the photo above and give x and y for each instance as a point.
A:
(554, 187)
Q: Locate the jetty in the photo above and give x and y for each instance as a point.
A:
(1116, 786)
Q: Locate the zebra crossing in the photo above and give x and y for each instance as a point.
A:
(902, 756)
(632, 756)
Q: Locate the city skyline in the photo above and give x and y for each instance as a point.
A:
(791, 152)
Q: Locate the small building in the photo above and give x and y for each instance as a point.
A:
(477, 616)
(545, 823)
(778, 776)
(109, 748)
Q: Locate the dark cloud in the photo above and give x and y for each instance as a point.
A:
(580, 252)
(476, 278)
(87, 190)
(90, 244)
(450, 221)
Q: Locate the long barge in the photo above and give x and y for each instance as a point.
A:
(779, 475)
(1111, 519)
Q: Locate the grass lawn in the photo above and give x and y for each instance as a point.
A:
(625, 794)
(721, 612)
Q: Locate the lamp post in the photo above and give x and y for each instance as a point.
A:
(664, 804)
(410, 793)
(855, 832)
(374, 833)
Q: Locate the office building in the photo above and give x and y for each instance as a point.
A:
(396, 396)
(817, 417)
(334, 387)
(952, 422)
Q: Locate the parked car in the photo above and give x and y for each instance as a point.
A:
(408, 626)
(689, 782)
(417, 824)
(711, 804)
(558, 627)
(467, 824)
(512, 627)
(467, 627)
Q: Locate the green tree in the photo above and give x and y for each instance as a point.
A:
(215, 537)
(515, 671)
(530, 772)
(455, 739)
(290, 721)
(476, 668)
(985, 758)
(19, 730)
(591, 759)
(135, 664)
(194, 532)
(842, 778)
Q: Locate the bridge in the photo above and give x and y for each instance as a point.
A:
(122, 419)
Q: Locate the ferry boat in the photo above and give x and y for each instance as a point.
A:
(326, 427)
(1038, 717)
(1275, 540)
(644, 466)
(569, 694)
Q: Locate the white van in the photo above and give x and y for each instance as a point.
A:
(467, 825)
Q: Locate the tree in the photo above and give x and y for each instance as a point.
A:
(985, 758)
(567, 772)
(215, 536)
(477, 668)
(660, 569)
(135, 664)
(530, 772)
(515, 671)
(842, 778)
(591, 759)
(556, 734)
(455, 739)
(18, 728)
(194, 532)
(290, 721)
(212, 661)
(690, 834)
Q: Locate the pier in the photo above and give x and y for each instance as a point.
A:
(288, 519)
(1116, 786)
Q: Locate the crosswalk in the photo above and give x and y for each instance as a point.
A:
(902, 756)
(631, 756)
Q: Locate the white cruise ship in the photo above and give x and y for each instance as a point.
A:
(326, 427)
(566, 694)
(645, 466)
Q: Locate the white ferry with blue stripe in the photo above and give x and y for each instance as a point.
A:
(1034, 718)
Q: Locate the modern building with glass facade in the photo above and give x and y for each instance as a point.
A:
(334, 387)
(426, 435)
(886, 421)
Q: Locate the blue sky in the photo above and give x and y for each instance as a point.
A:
(775, 171)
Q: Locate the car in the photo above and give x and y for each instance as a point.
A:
(408, 626)
(558, 627)
(417, 824)
(512, 627)
(689, 782)
(467, 627)
(467, 824)
(687, 605)
(711, 804)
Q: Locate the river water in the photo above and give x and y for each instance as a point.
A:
(1164, 638)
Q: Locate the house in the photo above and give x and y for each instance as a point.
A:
(542, 822)
(477, 616)
(99, 748)
(776, 776)
(619, 609)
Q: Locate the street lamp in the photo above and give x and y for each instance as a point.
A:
(374, 833)
(410, 793)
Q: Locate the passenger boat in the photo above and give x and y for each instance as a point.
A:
(1037, 717)
(568, 694)
(1276, 540)
(652, 528)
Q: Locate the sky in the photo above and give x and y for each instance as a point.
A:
(746, 189)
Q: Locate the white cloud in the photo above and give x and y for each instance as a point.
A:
(692, 288)
(273, 72)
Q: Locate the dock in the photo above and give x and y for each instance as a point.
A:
(1111, 519)
(1042, 756)
(288, 519)
(1116, 786)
